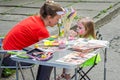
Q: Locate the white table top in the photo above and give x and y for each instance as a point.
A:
(57, 55)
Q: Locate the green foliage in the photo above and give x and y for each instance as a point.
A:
(7, 72)
(103, 11)
(76, 17)
(7, 0)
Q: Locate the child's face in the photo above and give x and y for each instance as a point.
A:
(80, 28)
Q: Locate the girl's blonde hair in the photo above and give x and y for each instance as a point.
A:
(89, 27)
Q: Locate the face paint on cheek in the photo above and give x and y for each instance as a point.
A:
(80, 31)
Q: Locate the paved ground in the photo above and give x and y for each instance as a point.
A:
(106, 14)
(111, 32)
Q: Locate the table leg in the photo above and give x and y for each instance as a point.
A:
(75, 73)
(17, 77)
(19, 65)
(105, 61)
(54, 73)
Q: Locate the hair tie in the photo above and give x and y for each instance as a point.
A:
(50, 1)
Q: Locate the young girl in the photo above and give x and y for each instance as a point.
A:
(85, 29)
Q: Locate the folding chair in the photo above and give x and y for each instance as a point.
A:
(83, 74)
(2, 54)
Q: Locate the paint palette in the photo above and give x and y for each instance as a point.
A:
(40, 55)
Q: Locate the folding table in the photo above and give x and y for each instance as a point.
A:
(54, 63)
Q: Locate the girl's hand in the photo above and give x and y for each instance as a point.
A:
(72, 33)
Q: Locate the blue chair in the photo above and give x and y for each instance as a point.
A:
(2, 53)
